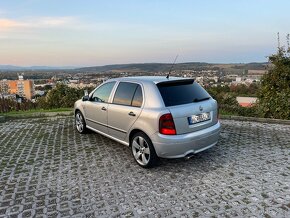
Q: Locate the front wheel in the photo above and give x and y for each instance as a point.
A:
(80, 122)
(143, 150)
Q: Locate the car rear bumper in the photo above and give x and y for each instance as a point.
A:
(177, 146)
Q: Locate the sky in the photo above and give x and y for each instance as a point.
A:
(100, 32)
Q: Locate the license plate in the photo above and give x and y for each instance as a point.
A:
(198, 118)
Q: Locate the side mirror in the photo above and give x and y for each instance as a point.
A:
(85, 98)
(86, 95)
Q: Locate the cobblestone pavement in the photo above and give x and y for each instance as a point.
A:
(48, 169)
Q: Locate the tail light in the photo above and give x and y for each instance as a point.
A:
(166, 125)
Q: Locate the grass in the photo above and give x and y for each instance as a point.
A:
(35, 113)
(223, 112)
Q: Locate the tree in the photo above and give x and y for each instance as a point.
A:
(60, 96)
(274, 93)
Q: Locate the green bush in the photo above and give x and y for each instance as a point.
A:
(60, 96)
(274, 94)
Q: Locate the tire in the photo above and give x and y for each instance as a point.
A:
(80, 123)
(143, 150)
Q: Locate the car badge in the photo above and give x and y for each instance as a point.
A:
(200, 108)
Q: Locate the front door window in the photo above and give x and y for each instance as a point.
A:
(102, 94)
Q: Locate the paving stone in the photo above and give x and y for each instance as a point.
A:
(47, 169)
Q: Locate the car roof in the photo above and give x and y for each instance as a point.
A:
(154, 79)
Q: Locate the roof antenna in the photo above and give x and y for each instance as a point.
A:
(167, 77)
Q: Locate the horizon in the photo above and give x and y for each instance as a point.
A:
(70, 33)
(116, 64)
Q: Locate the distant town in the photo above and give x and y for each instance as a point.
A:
(30, 84)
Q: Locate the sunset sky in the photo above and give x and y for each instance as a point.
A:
(95, 32)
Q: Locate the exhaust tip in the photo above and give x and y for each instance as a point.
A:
(190, 155)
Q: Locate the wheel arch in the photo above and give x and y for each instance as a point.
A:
(79, 110)
(133, 132)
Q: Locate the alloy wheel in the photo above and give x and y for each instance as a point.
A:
(141, 150)
(79, 122)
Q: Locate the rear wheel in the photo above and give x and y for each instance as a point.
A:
(143, 150)
(80, 122)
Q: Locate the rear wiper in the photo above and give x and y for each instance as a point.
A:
(201, 99)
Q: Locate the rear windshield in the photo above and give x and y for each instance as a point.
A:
(182, 92)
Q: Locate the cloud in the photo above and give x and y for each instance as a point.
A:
(8, 24)
(56, 21)
(40, 22)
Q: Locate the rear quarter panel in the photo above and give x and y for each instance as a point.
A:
(148, 121)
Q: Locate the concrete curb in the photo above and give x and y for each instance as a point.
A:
(70, 113)
(255, 119)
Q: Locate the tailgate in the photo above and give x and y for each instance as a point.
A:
(194, 116)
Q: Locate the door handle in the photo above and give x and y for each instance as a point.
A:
(103, 109)
(132, 114)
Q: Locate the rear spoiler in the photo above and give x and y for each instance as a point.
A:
(175, 82)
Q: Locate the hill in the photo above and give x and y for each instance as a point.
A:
(32, 68)
(161, 67)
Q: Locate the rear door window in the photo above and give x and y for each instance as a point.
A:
(129, 94)
(182, 92)
(138, 97)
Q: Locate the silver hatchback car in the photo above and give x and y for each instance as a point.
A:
(155, 116)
